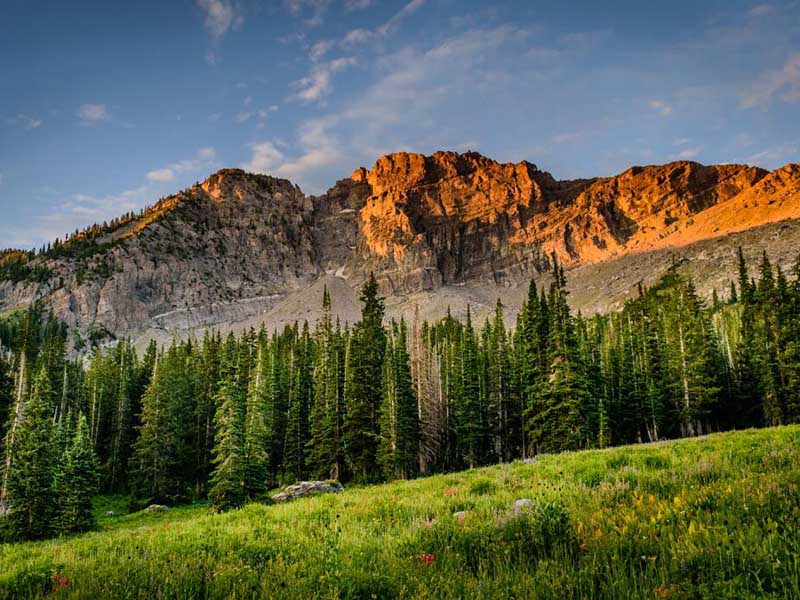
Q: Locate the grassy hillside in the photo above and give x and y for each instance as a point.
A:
(717, 517)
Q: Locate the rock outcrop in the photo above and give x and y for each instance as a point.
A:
(446, 229)
(307, 488)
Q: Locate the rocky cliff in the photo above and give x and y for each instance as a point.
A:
(437, 230)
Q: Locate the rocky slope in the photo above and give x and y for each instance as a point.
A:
(438, 230)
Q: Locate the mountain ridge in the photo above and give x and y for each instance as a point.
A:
(450, 226)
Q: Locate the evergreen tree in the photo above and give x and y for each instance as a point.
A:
(364, 385)
(324, 447)
(30, 494)
(560, 421)
(227, 481)
(77, 482)
(257, 436)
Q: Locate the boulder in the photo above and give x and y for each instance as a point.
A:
(156, 508)
(522, 505)
(307, 488)
(109, 513)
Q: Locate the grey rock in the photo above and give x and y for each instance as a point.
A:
(308, 488)
(523, 504)
(156, 508)
(110, 513)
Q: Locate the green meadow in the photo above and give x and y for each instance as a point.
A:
(714, 517)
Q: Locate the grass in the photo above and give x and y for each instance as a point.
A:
(717, 517)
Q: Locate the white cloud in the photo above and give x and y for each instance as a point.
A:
(405, 12)
(661, 107)
(317, 84)
(357, 36)
(357, 4)
(265, 158)
(317, 7)
(320, 49)
(297, 6)
(26, 121)
(319, 148)
(417, 82)
(687, 154)
(221, 17)
(203, 160)
(93, 113)
(761, 10)
(567, 136)
(784, 81)
(243, 116)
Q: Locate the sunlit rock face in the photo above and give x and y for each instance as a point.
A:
(438, 231)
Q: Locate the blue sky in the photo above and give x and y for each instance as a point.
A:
(107, 106)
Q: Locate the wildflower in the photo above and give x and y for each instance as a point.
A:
(427, 559)
(60, 582)
(450, 491)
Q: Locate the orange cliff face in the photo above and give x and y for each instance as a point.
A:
(462, 216)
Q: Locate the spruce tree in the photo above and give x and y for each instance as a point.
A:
(257, 435)
(76, 483)
(227, 489)
(364, 385)
(30, 493)
(324, 447)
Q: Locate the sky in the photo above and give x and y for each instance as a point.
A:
(107, 106)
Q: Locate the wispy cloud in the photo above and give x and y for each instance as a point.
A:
(660, 106)
(317, 8)
(362, 36)
(687, 154)
(93, 113)
(317, 84)
(784, 82)
(319, 148)
(221, 16)
(26, 121)
(760, 10)
(357, 4)
(204, 160)
(320, 49)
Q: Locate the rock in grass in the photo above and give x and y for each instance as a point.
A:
(110, 513)
(308, 488)
(157, 508)
(523, 504)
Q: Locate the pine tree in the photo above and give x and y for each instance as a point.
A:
(364, 385)
(77, 482)
(560, 421)
(407, 410)
(473, 435)
(227, 481)
(257, 434)
(155, 452)
(324, 447)
(30, 494)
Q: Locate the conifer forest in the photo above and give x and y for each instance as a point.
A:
(227, 418)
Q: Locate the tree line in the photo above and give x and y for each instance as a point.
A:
(227, 418)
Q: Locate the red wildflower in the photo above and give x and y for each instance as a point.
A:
(427, 559)
(59, 581)
(450, 491)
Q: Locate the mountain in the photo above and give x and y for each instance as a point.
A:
(441, 230)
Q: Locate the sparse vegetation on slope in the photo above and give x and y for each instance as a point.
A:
(717, 517)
